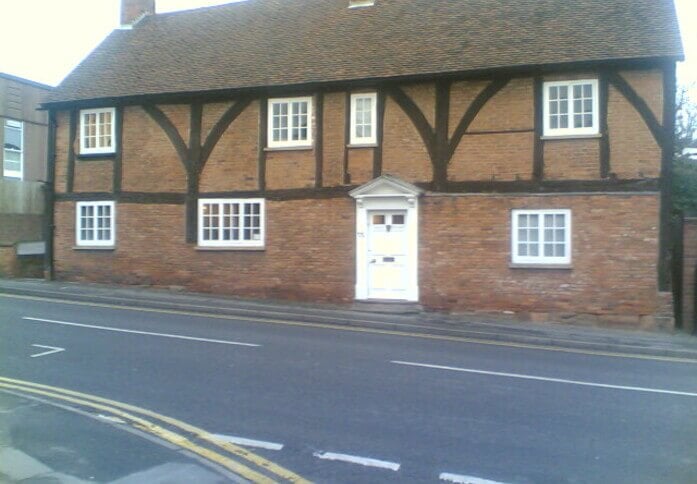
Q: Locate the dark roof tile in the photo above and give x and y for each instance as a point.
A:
(259, 43)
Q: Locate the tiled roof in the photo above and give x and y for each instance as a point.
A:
(258, 43)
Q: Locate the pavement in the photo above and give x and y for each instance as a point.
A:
(42, 442)
(480, 328)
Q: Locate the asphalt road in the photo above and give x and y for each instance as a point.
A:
(337, 405)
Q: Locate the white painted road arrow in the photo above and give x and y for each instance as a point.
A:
(51, 350)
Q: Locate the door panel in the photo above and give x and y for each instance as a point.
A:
(388, 271)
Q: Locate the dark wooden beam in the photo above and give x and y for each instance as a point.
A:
(262, 142)
(221, 126)
(619, 83)
(538, 148)
(117, 174)
(171, 131)
(603, 97)
(666, 215)
(72, 134)
(473, 110)
(556, 186)
(319, 139)
(379, 132)
(50, 194)
(193, 177)
(417, 118)
(442, 146)
(347, 137)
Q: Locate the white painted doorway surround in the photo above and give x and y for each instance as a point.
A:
(387, 239)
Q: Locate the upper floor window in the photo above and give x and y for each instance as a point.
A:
(95, 223)
(231, 222)
(541, 236)
(13, 149)
(571, 108)
(290, 122)
(97, 131)
(363, 118)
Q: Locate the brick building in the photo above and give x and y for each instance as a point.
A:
(512, 156)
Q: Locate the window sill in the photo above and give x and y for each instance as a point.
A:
(230, 249)
(362, 145)
(290, 148)
(571, 136)
(94, 247)
(540, 266)
(95, 156)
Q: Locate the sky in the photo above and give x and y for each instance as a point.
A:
(43, 40)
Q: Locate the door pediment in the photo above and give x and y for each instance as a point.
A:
(386, 186)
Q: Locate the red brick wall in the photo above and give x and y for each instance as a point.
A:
(150, 162)
(689, 263)
(465, 255)
(150, 249)
(233, 162)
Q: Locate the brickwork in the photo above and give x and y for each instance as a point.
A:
(688, 271)
(649, 85)
(511, 108)
(93, 176)
(62, 142)
(296, 264)
(361, 165)
(575, 159)
(464, 239)
(290, 169)
(493, 157)
(634, 152)
(150, 162)
(465, 256)
(334, 122)
(404, 154)
(234, 161)
(462, 93)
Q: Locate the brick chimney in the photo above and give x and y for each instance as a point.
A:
(133, 10)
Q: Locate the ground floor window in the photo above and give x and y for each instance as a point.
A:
(95, 223)
(541, 236)
(231, 222)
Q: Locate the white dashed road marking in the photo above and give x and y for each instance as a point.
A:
(354, 459)
(259, 444)
(133, 331)
(461, 479)
(542, 378)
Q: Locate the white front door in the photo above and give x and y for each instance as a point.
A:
(387, 254)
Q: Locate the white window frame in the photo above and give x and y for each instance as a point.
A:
(12, 123)
(231, 243)
(364, 140)
(84, 150)
(289, 143)
(78, 228)
(541, 259)
(570, 130)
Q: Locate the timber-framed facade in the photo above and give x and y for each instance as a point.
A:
(463, 197)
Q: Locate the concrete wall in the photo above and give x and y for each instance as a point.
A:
(21, 211)
(19, 101)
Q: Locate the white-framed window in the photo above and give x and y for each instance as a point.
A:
(97, 131)
(95, 223)
(364, 118)
(225, 222)
(13, 149)
(541, 236)
(571, 108)
(290, 122)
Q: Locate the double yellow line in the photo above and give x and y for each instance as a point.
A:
(229, 456)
